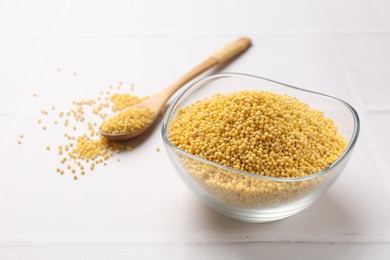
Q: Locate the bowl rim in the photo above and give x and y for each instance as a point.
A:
(332, 166)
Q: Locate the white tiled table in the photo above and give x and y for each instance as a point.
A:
(133, 210)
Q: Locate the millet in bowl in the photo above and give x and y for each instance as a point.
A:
(257, 150)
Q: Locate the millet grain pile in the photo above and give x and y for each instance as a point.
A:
(258, 132)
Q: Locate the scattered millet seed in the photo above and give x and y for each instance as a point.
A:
(257, 132)
(128, 121)
(19, 142)
(48, 148)
(75, 177)
(21, 136)
(89, 150)
(158, 149)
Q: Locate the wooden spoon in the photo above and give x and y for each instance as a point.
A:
(156, 102)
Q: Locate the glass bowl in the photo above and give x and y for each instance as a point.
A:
(265, 198)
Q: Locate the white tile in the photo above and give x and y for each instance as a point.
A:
(151, 62)
(379, 124)
(5, 123)
(305, 61)
(382, 7)
(128, 201)
(241, 16)
(23, 16)
(286, 251)
(347, 213)
(83, 252)
(350, 15)
(19, 56)
(125, 16)
(367, 62)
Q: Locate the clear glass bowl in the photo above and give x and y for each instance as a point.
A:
(265, 198)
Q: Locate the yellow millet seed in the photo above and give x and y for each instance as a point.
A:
(87, 148)
(258, 132)
(128, 121)
(121, 101)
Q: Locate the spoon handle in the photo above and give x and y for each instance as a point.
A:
(228, 52)
(232, 49)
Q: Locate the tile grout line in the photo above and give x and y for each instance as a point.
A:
(181, 33)
(310, 238)
(351, 86)
(26, 91)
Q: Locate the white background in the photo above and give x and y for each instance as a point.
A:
(138, 208)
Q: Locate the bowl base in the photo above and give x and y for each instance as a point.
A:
(258, 215)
